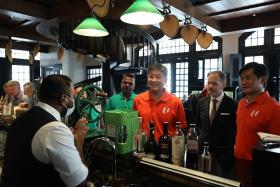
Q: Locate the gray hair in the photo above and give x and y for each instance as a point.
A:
(12, 83)
(221, 74)
(29, 85)
(160, 67)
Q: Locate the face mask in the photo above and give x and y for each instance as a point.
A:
(69, 111)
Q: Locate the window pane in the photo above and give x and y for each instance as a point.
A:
(258, 59)
(173, 46)
(247, 43)
(168, 81)
(260, 41)
(181, 79)
(255, 39)
(277, 31)
(21, 74)
(277, 39)
(95, 72)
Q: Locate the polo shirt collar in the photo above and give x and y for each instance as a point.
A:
(260, 98)
(50, 110)
(132, 96)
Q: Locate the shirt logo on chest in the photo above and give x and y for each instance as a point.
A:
(254, 113)
(165, 110)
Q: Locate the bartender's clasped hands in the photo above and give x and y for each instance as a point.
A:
(80, 132)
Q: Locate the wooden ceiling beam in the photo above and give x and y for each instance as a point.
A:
(24, 10)
(203, 2)
(26, 33)
(249, 22)
(24, 46)
(187, 7)
(234, 10)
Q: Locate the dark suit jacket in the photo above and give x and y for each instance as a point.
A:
(221, 134)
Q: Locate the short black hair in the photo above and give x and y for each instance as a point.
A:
(131, 75)
(160, 67)
(53, 87)
(260, 70)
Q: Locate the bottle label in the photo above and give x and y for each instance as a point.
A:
(192, 145)
(150, 155)
(164, 150)
(111, 130)
(178, 146)
(164, 156)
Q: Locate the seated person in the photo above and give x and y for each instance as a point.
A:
(29, 89)
(123, 100)
(13, 93)
(94, 127)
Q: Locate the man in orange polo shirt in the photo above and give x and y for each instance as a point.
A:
(158, 105)
(257, 112)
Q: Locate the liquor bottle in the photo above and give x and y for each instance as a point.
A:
(205, 160)
(139, 139)
(151, 146)
(192, 147)
(178, 146)
(165, 145)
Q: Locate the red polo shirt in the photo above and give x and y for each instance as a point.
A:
(262, 115)
(169, 108)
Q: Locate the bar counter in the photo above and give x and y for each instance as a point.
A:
(146, 172)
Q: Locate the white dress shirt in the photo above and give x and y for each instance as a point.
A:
(218, 103)
(54, 143)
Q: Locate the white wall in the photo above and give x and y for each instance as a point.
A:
(71, 67)
(230, 46)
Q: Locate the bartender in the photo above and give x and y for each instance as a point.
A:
(158, 105)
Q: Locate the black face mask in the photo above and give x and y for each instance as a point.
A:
(66, 108)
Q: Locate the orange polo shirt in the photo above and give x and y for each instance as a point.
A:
(169, 108)
(262, 115)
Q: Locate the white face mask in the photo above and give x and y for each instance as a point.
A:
(70, 110)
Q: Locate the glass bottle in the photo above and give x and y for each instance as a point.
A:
(165, 145)
(151, 146)
(139, 139)
(192, 147)
(178, 146)
(205, 161)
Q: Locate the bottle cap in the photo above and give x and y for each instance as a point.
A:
(192, 125)
(205, 143)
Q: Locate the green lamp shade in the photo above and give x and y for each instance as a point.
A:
(142, 12)
(91, 27)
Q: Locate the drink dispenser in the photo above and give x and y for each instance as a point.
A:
(120, 127)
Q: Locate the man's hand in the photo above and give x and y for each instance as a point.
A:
(80, 132)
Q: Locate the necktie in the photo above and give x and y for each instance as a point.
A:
(213, 110)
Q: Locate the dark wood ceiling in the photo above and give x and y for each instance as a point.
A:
(19, 18)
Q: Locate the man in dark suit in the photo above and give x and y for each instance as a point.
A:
(216, 122)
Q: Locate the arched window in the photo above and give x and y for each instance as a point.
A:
(255, 39)
(173, 46)
(214, 46)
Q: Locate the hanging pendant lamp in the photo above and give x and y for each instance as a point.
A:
(142, 12)
(91, 27)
